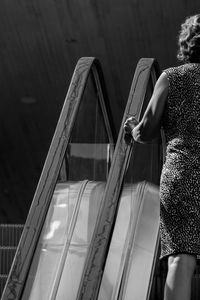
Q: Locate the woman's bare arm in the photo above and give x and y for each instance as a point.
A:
(149, 127)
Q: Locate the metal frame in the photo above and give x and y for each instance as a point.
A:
(46, 185)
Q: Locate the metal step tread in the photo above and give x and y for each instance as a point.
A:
(8, 248)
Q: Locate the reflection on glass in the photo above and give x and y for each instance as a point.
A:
(50, 246)
(115, 261)
(89, 161)
(60, 255)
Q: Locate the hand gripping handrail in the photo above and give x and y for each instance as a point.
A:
(41, 201)
(147, 69)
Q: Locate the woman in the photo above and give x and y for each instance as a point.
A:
(175, 105)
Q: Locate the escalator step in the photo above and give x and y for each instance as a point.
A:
(10, 234)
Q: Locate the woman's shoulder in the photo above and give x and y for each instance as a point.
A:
(181, 70)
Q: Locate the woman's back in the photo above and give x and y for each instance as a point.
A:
(180, 180)
(181, 119)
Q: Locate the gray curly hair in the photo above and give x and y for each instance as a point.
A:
(189, 40)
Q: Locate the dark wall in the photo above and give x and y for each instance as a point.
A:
(40, 43)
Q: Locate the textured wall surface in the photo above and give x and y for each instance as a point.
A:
(40, 43)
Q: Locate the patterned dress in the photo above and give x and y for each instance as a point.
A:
(180, 178)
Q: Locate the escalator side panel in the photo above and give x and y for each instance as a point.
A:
(64, 242)
(118, 247)
(52, 239)
(78, 249)
(50, 174)
(132, 249)
(139, 263)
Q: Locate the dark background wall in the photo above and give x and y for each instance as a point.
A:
(40, 43)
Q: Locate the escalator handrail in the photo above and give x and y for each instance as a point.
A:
(96, 257)
(41, 201)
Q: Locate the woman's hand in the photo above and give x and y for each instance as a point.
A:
(149, 126)
(130, 124)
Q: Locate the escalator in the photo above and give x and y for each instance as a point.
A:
(133, 246)
(132, 164)
(92, 229)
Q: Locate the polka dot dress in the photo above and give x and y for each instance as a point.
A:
(180, 177)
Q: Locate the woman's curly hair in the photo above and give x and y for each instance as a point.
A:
(189, 40)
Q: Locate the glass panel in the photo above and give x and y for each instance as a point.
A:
(69, 225)
(88, 153)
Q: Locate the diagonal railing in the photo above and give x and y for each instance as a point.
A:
(43, 195)
(147, 70)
